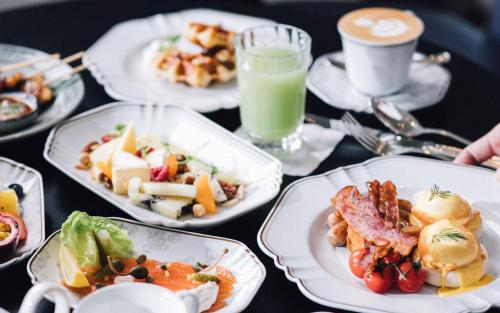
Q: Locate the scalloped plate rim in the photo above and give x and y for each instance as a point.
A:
(42, 213)
(241, 306)
(297, 280)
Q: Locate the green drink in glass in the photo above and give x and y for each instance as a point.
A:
(272, 67)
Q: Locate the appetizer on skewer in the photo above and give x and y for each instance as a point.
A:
(390, 240)
(215, 63)
(96, 252)
(158, 176)
(36, 83)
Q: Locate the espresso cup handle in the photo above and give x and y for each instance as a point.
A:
(191, 301)
(35, 295)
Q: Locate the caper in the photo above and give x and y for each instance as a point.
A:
(164, 267)
(118, 265)
(149, 279)
(99, 285)
(139, 272)
(141, 259)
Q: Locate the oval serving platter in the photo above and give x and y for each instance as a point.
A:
(169, 245)
(322, 272)
(261, 172)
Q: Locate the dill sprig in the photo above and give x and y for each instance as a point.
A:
(449, 234)
(438, 193)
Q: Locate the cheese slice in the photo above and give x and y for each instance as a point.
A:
(104, 152)
(126, 142)
(125, 167)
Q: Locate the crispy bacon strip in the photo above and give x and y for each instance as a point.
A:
(364, 217)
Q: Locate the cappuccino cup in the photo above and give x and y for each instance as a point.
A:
(378, 45)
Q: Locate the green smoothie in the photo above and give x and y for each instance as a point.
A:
(272, 89)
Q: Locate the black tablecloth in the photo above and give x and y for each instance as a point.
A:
(471, 107)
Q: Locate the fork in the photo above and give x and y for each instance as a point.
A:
(400, 145)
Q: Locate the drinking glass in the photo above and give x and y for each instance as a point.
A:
(272, 64)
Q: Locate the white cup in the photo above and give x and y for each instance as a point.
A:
(377, 69)
(123, 298)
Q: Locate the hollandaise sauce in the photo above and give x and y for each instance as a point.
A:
(447, 292)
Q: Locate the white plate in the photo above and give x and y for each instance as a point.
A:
(427, 85)
(168, 245)
(32, 206)
(261, 172)
(67, 99)
(115, 60)
(322, 272)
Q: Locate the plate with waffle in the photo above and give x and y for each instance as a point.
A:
(185, 58)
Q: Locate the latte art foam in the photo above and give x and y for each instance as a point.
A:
(380, 25)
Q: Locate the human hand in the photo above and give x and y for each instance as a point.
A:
(482, 149)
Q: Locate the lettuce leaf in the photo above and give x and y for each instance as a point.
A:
(113, 240)
(77, 236)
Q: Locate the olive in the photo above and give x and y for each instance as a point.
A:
(139, 272)
(99, 285)
(141, 259)
(149, 279)
(18, 189)
(164, 267)
(118, 265)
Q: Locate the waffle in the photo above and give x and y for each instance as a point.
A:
(217, 62)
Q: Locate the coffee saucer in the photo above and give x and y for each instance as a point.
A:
(427, 85)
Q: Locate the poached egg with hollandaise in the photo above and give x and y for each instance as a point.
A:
(434, 205)
(451, 255)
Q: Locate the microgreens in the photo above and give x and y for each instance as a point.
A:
(213, 169)
(169, 41)
(120, 128)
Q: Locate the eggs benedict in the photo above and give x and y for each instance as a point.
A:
(451, 255)
(435, 204)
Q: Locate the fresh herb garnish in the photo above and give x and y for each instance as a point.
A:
(169, 41)
(213, 169)
(166, 144)
(120, 128)
(449, 234)
(438, 193)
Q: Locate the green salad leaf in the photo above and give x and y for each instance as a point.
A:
(86, 235)
(113, 240)
(78, 237)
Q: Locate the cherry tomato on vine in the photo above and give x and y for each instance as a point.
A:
(411, 277)
(355, 262)
(379, 281)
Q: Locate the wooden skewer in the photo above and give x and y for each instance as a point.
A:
(75, 70)
(66, 60)
(15, 66)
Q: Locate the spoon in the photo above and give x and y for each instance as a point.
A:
(433, 58)
(405, 124)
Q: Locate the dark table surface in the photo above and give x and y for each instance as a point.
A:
(471, 107)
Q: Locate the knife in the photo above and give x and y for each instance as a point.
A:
(337, 125)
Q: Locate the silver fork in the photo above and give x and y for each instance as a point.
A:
(396, 144)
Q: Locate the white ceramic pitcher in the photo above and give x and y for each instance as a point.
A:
(123, 298)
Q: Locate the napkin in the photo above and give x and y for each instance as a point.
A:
(317, 144)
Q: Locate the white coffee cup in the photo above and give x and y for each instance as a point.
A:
(123, 298)
(378, 68)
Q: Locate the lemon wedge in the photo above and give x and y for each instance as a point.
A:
(71, 273)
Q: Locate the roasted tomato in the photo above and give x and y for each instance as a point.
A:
(355, 262)
(380, 280)
(411, 277)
